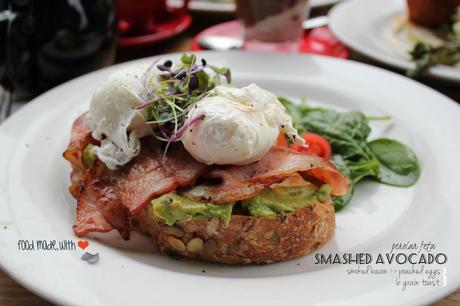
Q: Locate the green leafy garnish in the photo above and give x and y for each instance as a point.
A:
(398, 164)
(384, 160)
(179, 88)
(426, 56)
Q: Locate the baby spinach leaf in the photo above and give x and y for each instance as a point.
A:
(347, 132)
(398, 164)
(342, 201)
(363, 168)
(355, 172)
(385, 160)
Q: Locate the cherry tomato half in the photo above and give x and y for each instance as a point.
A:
(317, 145)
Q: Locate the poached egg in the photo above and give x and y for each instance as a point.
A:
(239, 126)
(113, 117)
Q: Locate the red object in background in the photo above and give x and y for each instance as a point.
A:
(317, 41)
(146, 22)
(321, 41)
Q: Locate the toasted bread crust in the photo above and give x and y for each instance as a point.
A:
(245, 239)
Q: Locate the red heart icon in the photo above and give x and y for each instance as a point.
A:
(83, 244)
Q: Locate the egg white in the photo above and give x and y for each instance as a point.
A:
(239, 126)
(113, 118)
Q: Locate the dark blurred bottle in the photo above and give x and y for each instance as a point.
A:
(46, 42)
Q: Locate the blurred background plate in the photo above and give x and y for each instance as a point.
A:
(365, 26)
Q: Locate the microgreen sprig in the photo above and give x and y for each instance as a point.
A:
(178, 89)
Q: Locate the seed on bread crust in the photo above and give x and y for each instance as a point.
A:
(176, 244)
(195, 245)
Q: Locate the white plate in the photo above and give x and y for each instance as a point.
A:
(364, 25)
(36, 204)
(229, 6)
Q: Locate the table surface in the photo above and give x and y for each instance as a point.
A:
(13, 294)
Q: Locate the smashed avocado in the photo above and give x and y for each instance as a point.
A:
(88, 156)
(172, 208)
(282, 200)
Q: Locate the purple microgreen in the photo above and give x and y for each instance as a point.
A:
(176, 93)
(178, 134)
(197, 69)
(179, 74)
(185, 126)
(146, 103)
(90, 258)
(164, 131)
(138, 96)
(193, 83)
(171, 87)
(165, 151)
(157, 127)
(166, 66)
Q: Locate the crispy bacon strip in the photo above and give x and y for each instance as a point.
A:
(106, 198)
(98, 208)
(79, 139)
(76, 180)
(242, 182)
(112, 196)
